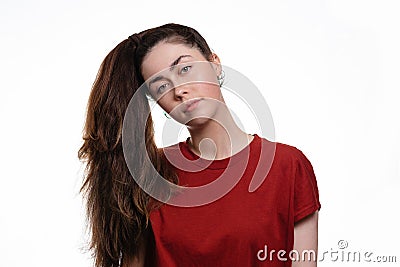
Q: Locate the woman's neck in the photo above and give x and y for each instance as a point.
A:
(218, 138)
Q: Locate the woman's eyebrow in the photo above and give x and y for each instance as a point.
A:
(176, 62)
(156, 79)
(171, 68)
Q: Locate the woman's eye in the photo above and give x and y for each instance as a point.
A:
(185, 69)
(162, 88)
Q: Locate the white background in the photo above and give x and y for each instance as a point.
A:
(329, 71)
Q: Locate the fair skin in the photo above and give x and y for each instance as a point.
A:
(305, 239)
(201, 107)
(211, 125)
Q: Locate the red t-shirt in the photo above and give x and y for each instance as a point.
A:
(233, 230)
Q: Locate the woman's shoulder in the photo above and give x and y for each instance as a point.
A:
(282, 149)
(288, 150)
(172, 151)
(284, 152)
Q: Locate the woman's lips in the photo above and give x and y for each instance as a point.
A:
(191, 105)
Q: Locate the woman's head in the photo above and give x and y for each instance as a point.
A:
(117, 208)
(174, 62)
(183, 82)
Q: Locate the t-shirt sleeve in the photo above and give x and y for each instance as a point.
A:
(306, 195)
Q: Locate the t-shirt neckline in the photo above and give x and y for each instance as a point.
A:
(243, 154)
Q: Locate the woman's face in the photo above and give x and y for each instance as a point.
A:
(183, 82)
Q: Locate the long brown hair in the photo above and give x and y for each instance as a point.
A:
(118, 209)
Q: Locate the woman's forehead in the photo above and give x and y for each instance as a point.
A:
(164, 54)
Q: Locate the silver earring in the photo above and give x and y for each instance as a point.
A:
(166, 115)
(221, 78)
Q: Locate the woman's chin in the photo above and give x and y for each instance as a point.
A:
(197, 122)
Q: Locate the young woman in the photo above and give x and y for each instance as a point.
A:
(131, 226)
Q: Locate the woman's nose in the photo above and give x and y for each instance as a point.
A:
(180, 91)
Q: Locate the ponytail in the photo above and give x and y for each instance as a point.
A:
(117, 208)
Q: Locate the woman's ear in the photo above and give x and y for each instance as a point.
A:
(217, 63)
